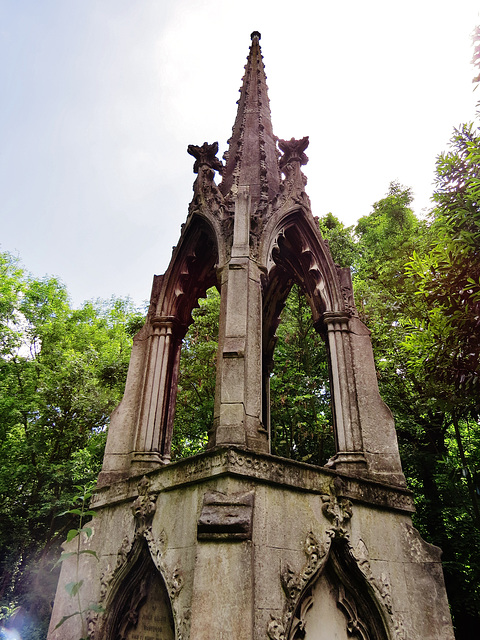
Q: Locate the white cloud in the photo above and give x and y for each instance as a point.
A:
(103, 99)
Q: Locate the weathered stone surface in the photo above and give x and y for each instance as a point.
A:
(154, 620)
(234, 542)
(226, 516)
(215, 585)
(252, 237)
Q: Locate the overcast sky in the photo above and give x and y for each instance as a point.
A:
(100, 99)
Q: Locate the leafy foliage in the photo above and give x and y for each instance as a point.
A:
(62, 371)
(196, 381)
(301, 414)
(74, 589)
(421, 327)
(444, 348)
(448, 274)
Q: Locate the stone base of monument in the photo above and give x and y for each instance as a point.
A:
(241, 546)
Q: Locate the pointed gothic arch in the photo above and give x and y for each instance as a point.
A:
(294, 251)
(137, 597)
(292, 245)
(252, 236)
(336, 599)
(191, 272)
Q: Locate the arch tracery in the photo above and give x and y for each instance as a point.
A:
(335, 594)
(294, 251)
(253, 236)
(191, 272)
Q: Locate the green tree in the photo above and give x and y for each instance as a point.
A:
(62, 371)
(408, 307)
(448, 274)
(196, 380)
(445, 347)
(301, 414)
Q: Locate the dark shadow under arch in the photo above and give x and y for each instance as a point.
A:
(191, 272)
(138, 599)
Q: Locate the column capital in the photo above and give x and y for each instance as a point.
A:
(168, 324)
(164, 321)
(336, 320)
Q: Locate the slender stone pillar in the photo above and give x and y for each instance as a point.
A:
(153, 433)
(238, 405)
(347, 427)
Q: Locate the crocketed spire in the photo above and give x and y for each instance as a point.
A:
(252, 157)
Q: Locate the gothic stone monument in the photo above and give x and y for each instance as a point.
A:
(236, 543)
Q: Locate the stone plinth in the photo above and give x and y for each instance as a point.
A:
(230, 544)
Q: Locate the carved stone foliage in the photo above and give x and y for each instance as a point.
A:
(293, 186)
(345, 277)
(124, 587)
(338, 511)
(295, 584)
(364, 599)
(205, 156)
(206, 193)
(293, 151)
(143, 508)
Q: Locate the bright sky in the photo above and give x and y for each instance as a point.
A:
(100, 99)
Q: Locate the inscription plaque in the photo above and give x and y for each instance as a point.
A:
(155, 620)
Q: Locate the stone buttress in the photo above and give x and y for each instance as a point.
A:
(235, 542)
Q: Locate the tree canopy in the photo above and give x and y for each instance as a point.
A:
(62, 371)
(416, 288)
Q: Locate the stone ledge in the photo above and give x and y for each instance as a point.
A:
(262, 468)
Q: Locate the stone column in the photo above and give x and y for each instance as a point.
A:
(348, 434)
(153, 433)
(238, 401)
(266, 411)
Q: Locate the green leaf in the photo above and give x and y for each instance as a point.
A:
(65, 618)
(73, 533)
(90, 552)
(72, 588)
(64, 556)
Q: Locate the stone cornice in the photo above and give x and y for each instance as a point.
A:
(259, 468)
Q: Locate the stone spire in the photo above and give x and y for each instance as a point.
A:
(252, 157)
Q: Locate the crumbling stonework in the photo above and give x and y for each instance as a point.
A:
(235, 542)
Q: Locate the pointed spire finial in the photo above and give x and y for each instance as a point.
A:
(252, 157)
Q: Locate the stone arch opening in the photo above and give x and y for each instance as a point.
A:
(301, 420)
(196, 380)
(138, 604)
(191, 272)
(339, 602)
(297, 258)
